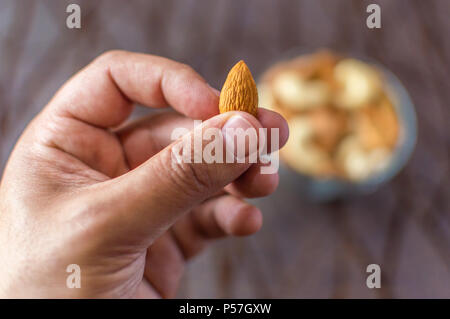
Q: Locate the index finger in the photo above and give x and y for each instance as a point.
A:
(103, 93)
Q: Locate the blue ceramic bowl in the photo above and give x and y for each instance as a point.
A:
(333, 188)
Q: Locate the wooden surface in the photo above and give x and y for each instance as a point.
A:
(304, 249)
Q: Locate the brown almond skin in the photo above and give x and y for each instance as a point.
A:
(239, 91)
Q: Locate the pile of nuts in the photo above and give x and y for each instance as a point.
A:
(341, 120)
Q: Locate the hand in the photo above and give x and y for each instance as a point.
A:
(79, 188)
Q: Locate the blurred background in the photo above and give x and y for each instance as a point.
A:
(304, 249)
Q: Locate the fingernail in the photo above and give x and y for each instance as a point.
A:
(241, 138)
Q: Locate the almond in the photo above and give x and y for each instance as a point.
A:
(239, 91)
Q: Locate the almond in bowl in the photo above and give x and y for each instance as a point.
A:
(343, 125)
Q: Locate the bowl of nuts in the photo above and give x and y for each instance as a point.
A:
(352, 123)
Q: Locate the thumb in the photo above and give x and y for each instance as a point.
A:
(148, 200)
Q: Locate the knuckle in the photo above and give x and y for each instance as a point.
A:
(108, 56)
(192, 178)
(187, 71)
(186, 68)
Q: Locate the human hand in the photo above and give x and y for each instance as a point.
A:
(82, 188)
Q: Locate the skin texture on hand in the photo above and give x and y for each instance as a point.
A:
(81, 187)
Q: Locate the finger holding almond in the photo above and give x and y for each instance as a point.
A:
(120, 198)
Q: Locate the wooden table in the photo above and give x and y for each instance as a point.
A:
(304, 249)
